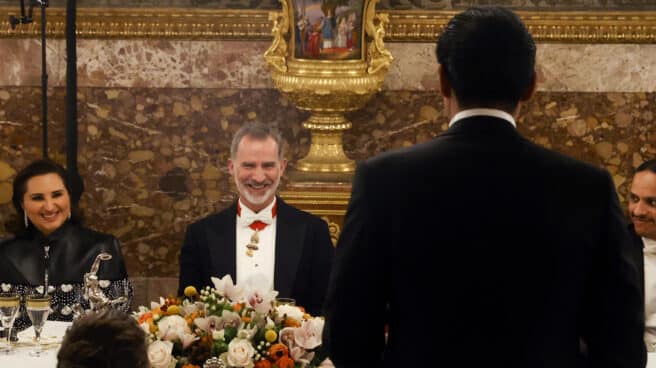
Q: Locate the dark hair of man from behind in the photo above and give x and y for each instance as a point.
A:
(647, 166)
(489, 57)
(110, 339)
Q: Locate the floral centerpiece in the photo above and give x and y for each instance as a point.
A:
(231, 326)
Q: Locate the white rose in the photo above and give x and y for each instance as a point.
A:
(172, 328)
(159, 354)
(240, 353)
(291, 312)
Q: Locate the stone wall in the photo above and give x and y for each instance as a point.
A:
(156, 118)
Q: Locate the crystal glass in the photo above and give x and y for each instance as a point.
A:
(285, 301)
(38, 309)
(9, 306)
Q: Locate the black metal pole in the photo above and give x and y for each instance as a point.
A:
(44, 79)
(77, 186)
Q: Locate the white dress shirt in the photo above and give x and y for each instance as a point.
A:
(483, 112)
(261, 264)
(649, 251)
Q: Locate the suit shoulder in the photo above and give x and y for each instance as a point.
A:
(302, 216)
(560, 162)
(211, 220)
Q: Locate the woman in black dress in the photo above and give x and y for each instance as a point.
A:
(53, 251)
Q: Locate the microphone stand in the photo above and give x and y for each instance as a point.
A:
(26, 19)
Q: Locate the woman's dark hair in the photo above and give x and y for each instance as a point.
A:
(35, 168)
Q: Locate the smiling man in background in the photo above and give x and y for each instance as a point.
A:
(642, 209)
(260, 237)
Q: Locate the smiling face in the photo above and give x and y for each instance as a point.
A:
(642, 203)
(257, 170)
(46, 202)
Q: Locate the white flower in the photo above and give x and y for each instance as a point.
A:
(286, 336)
(300, 355)
(155, 305)
(229, 319)
(308, 336)
(159, 354)
(261, 301)
(247, 333)
(225, 287)
(291, 311)
(240, 353)
(66, 288)
(269, 323)
(187, 339)
(172, 328)
(146, 327)
(218, 335)
(208, 324)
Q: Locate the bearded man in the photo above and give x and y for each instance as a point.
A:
(260, 237)
(642, 209)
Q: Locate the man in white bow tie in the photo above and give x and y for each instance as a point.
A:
(260, 236)
(642, 209)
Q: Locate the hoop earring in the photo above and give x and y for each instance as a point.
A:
(27, 223)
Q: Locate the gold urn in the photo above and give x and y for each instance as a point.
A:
(327, 57)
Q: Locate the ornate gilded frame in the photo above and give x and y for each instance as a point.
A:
(405, 25)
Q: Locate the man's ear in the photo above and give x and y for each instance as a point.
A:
(283, 166)
(231, 167)
(530, 90)
(445, 86)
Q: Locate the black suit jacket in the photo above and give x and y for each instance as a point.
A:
(638, 256)
(481, 249)
(304, 254)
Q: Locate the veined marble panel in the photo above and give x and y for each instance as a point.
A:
(230, 64)
(561, 67)
(239, 64)
(134, 63)
(20, 64)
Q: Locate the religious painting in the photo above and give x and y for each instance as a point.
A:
(328, 29)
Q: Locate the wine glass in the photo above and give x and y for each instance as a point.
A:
(285, 301)
(38, 309)
(9, 305)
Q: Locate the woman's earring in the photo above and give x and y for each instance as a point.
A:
(69, 215)
(27, 223)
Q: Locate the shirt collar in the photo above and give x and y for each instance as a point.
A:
(483, 112)
(649, 243)
(270, 210)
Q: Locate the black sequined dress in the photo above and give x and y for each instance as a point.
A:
(60, 260)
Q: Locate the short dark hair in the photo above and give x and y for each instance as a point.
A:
(35, 168)
(108, 339)
(258, 131)
(649, 165)
(488, 56)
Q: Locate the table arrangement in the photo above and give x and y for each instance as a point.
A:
(231, 326)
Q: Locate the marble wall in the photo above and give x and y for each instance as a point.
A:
(156, 118)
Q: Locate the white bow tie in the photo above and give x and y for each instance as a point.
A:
(247, 219)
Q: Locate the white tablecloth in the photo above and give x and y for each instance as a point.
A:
(56, 330)
(52, 334)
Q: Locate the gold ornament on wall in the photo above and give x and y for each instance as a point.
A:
(327, 57)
